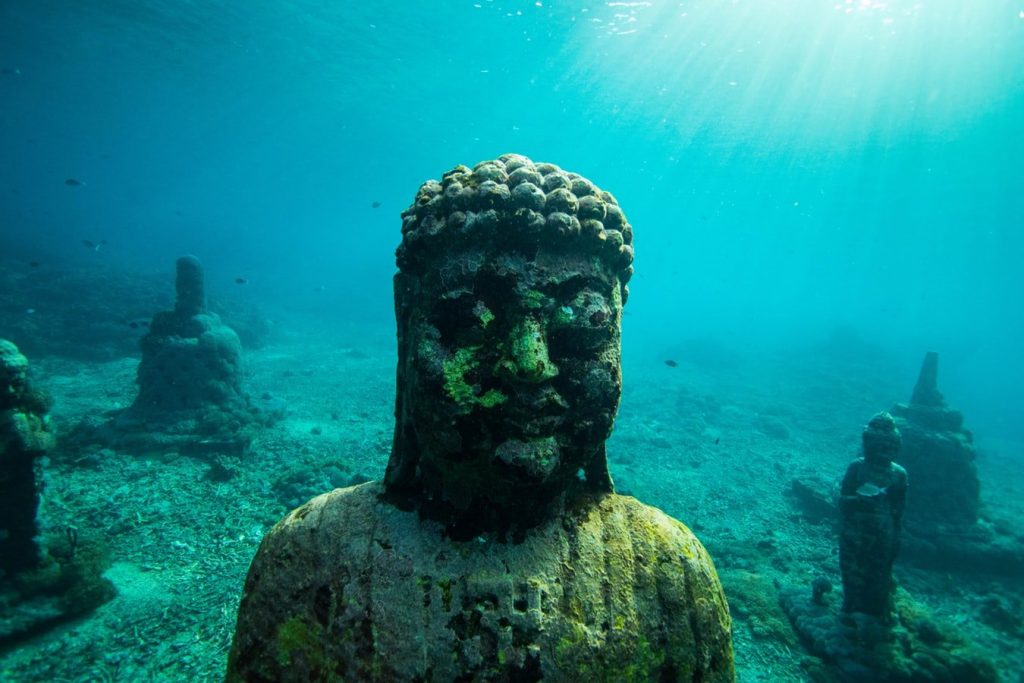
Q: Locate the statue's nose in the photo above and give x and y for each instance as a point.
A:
(525, 356)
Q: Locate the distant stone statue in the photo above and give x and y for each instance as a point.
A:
(190, 378)
(939, 455)
(46, 576)
(25, 437)
(494, 549)
(871, 501)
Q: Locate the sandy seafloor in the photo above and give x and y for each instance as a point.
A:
(714, 442)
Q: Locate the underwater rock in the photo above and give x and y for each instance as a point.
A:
(938, 453)
(912, 648)
(813, 500)
(43, 579)
(495, 548)
(190, 380)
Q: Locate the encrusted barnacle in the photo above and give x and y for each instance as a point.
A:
(519, 203)
(614, 219)
(491, 194)
(591, 207)
(626, 258)
(524, 174)
(613, 241)
(455, 174)
(592, 229)
(581, 187)
(561, 224)
(561, 200)
(490, 172)
(555, 180)
(514, 161)
(526, 195)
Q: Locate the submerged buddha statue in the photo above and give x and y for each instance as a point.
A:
(495, 547)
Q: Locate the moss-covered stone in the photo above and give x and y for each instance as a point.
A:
(610, 591)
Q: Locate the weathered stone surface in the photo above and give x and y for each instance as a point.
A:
(348, 587)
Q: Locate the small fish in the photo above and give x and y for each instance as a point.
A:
(95, 246)
(30, 311)
(241, 281)
(11, 71)
(134, 325)
(34, 264)
(375, 205)
(74, 182)
(319, 288)
(671, 363)
(717, 440)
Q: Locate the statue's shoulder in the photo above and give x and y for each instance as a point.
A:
(649, 531)
(339, 520)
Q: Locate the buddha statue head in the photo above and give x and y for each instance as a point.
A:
(508, 298)
(882, 439)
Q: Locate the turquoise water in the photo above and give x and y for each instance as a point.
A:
(788, 166)
(791, 168)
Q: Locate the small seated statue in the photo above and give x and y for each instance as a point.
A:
(495, 547)
(871, 502)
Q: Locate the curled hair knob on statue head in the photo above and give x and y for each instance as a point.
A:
(881, 437)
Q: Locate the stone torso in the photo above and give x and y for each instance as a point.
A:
(350, 588)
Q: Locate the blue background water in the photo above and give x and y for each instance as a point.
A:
(789, 166)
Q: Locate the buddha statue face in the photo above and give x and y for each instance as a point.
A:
(509, 368)
(882, 439)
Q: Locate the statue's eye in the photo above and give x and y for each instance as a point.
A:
(461, 319)
(584, 324)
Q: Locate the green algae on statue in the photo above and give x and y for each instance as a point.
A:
(495, 548)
